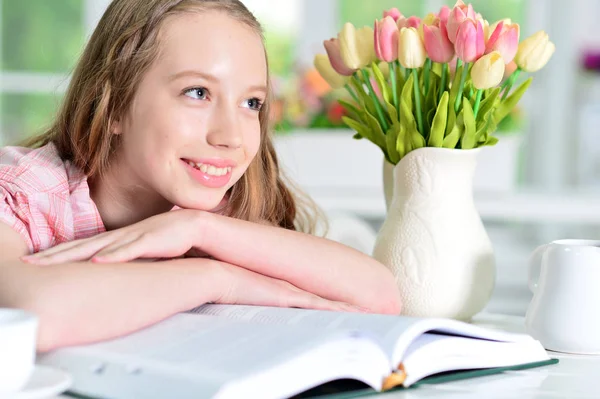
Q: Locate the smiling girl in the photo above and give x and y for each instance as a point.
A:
(161, 150)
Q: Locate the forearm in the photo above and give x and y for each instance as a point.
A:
(83, 303)
(314, 264)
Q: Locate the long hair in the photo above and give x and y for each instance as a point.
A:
(119, 52)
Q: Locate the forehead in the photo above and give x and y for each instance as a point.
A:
(214, 43)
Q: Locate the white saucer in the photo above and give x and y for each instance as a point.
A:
(45, 382)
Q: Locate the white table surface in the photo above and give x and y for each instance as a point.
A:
(574, 377)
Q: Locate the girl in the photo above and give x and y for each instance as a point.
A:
(161, 150)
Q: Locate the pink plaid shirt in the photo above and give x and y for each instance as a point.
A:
(45, 199)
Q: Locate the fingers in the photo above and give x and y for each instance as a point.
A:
(312, 301)
(121, 252)
(69, 252)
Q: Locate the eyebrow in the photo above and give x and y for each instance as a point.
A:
(211, 78)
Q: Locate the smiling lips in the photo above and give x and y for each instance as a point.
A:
(212, 174)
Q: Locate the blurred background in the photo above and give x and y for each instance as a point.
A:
(541, 182)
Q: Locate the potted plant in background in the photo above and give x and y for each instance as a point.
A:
(430, 93)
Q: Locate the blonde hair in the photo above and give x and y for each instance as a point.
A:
(119, 52)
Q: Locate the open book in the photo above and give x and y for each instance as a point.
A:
(236, 351)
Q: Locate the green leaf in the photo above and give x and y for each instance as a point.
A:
(487, 109)
(438, 126)
(381, 82)
(455, 85)
(392, 112)
(366, 101)
(511, 101)
(391, 139)
(451, 140)
(430, 106)
(418, 141)
(401, 143)
(491, 141)
(436, 68)
(359, 128)
(407, 118)
(406, 97)
(366, 132)
(357, 136)
(352, 111)
(489, 101)
(378, 135)
(451, 117)
(468, 140)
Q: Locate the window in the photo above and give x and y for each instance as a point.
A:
(281, 23)
(498, 9)
(40, 42)
(361, 13)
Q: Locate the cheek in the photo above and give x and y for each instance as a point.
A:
(253, 139)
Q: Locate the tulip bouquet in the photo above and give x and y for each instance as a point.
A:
(432, 82)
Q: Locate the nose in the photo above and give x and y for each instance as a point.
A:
(224, 130)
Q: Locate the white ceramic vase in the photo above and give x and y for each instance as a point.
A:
(433, 239)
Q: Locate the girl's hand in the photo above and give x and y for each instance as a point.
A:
(244, 287)
(168, 235)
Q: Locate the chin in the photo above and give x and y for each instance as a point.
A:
(206, 203)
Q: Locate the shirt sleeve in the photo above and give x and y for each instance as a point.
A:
(14, 211)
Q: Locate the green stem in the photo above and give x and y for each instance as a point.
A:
(378, 107)
(406, 73)
(347, 86)
(394, 84)
(511, 81)
(427, 71)
(418, 101)
(463, 78)
(443, 85)
(477, 102)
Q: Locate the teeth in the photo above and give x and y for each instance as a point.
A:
(210, 169)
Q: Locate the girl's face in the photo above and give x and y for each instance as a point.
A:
(193, 127)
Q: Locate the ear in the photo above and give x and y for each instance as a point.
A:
(116, 127)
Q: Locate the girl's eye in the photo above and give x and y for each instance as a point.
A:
(197, 93)
(254, 104)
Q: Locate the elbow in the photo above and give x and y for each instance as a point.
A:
(49, 334)
(389, 300)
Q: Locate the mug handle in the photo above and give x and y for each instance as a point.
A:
(535, 266)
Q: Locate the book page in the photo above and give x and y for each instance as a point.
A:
(386, 329)
(209, 353)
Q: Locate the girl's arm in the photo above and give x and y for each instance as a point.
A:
(323, 267)
(318, 265)
(79, 303)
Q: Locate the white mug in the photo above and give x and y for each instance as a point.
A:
(18, 336)
(564, 314)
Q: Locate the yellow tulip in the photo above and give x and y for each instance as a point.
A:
(488, 71)
(430, 19)
(357, 47)
(334, 79)
(411, 50)
(534, 52)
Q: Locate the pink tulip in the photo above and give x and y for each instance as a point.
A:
(411, 22)
(438, 46)
(459, 13)
(386, 39)
(394, 13)
(470, 41)
(505, 40)
(332, 47)
(444, 14)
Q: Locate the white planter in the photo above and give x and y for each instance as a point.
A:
(433, 239)
(497, 166)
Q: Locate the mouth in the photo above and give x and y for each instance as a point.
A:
(208, 174)
(209, 169)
